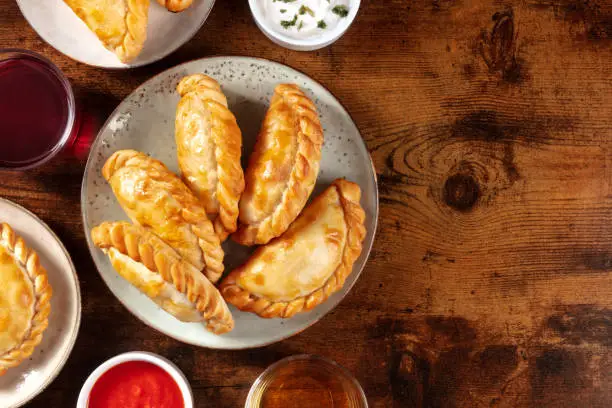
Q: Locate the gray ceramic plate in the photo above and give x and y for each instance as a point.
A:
(59, 26)
(22, 383)
(145, 121)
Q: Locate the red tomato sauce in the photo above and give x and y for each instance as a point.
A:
(136, 384)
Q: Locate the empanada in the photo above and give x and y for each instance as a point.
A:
(283, 168)
(25, 299)
(121, 25)
(158, 271)
(175, 5)
(308, 263)
(154, 197)
(208, 143)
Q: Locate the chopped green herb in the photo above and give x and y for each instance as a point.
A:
(342, 11)
(301, 25)
(283, 10)
(321, 24)
(289, 23)
(305, 9)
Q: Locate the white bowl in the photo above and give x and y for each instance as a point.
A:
(176, 374)
(310, 44)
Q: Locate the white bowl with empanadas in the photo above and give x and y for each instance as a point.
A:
(248, 85)
(116, 33)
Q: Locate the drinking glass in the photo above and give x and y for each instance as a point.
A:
(306, 381)
(37, 110)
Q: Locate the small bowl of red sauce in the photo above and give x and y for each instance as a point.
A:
(136, 379)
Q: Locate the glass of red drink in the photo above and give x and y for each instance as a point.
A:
(37, 110)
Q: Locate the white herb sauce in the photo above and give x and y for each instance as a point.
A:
(302, 19)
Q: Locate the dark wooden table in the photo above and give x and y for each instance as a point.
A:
(490, 125)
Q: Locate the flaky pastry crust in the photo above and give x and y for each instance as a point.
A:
(146, 248)
(349, 195)
(125, 35)
(28, 261)
(209, 145)
(154, 197)
(175, 5)
(264, 214)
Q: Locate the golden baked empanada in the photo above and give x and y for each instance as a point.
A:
(25, 299)
(154, 197)
(208, 143)
(309, 262)
(121, 25)
(283, 168)
(175, 5)
(158, 271)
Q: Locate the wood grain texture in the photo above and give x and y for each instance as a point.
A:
(490, 125)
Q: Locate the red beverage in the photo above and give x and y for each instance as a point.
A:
(36, 110)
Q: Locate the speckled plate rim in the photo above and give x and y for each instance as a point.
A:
(365, 251)
(77, 327)
(170, 51)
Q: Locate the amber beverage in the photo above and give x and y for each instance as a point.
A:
(306, 381)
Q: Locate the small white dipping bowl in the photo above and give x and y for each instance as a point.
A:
(326, 38)
(166, 365)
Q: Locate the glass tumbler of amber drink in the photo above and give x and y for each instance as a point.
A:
(306, 381)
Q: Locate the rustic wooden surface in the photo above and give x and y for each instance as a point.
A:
(490, 125)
